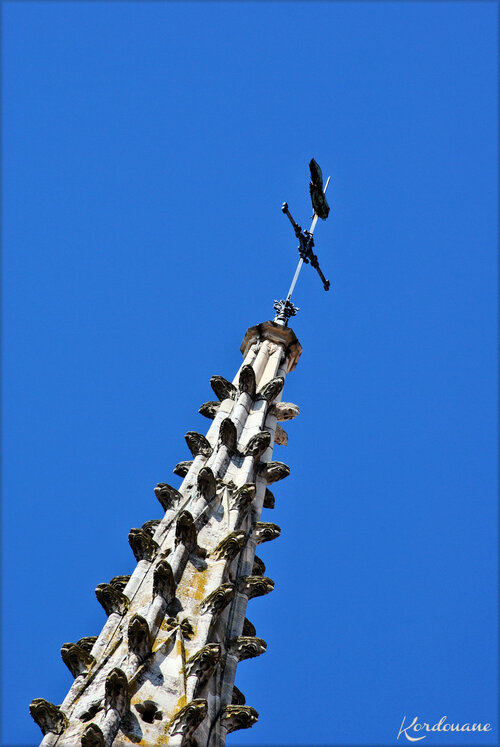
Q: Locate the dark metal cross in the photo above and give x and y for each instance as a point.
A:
(285, 308)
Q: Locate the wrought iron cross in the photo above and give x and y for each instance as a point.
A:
(285, 308)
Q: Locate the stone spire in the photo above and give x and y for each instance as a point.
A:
(162, 669)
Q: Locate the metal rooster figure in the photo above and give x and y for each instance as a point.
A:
(285, 308)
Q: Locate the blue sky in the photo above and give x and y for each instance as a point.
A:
(147, 150)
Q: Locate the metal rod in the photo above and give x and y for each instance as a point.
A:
(295, 278)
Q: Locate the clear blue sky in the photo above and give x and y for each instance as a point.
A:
(147, 150)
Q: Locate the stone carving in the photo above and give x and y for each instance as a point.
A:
(272, 389)
(151, 526)
(120, 582)
(284, 410)
(274, 471)
(248, 627)
(87, 642)
(139, 637)
(203, 663)
(76, 658)
(167, 495)
(246, 380)
(185, 532)
(268, 499)
(228, 435)
(259, 567)
(92, 736)
(182, 468)
(247, 647)
(206, 483)
(258, 444)
(111, 599)
(184, 626)
(280, 436)
(238, 697)
(223, 388)
(188, 718)
(255, 586)
(198, 444)
(163, 581)
(148, 711)
(265, 531)
(116, 691)
(48, 716)
(209, 409)
(217, 600)
(143, 545)
(236, 717)
(243, 496)
(230, 546)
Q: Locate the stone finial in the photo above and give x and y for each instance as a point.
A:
(246, 381)
(187, 720)
(258, 444)
(228, 435)
(143, 545)
(111, 599)
(116, 692)
(48, 716)
(243, 496)
(272, 389)
(255, 586)
(209, 409)
(236, 717)
(274, 471)
(163, 581)
(182, 468)
(269, 501)
(223, 388)
(139, 637)
(265, 531)
(203, 663)
(120, 582)
(284, 410)
(92, 736)
(185, 531)
(259, 567)
(198, 444)
(230, 546)
(76, 658)
(217, 600)
(247, 647)
(206, 483)
(280, 436)
(238, 697)
(151, 526)
(167, 495)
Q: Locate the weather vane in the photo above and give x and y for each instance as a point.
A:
(285, 308)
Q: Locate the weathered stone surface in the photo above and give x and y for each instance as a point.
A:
(87, 642)
(206, 483)
(223, 388)
(243, 496)
(151, 526)
(265, 531)
(230, 546)
(203, 663)
(272, 389)
(198, 444)
(247, 647)
(167, 495)
(120, 582)
(189, 718)
(143, 545)
(182, 468)
(238, 697)
(259, 567)
(93, 736)
(246, 381)
(284, 410)
(236, 717)
(274, 471)
(280, 436)
(163, 581)
(116, 691)
(248, 627)
(255, 586)
(111, 599)
(139, 637)
(217, 600)
(76, 658)
(209, 409)
(258, 444)
(185, 531)
(269, 501)
(48, 716)
(228, 435)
